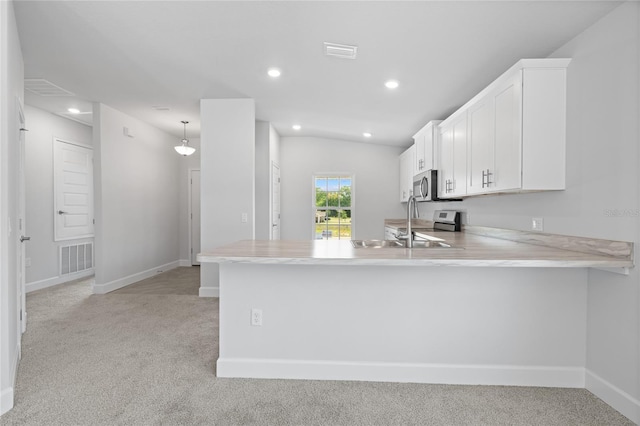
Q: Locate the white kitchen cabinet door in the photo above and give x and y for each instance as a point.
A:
(453, 158)
(494, 145)
(480, 146)
(507, 168)
(460, 156)
(419, 146)
(426, 146)
(406, 173)
(445, 174)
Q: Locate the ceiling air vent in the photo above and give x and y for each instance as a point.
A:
(44, 87)
(340, 50)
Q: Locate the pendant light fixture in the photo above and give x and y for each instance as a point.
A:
(184, 149)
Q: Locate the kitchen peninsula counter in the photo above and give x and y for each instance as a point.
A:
(479, 246)
(504, 308)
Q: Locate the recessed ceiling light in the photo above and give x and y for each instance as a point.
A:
(296, 127)
(367, 134)
(274, 72)
(74, 110)
(391, 84)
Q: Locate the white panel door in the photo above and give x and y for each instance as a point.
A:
(21, 249)
(195, 216)
(275, 202)
(73, 168)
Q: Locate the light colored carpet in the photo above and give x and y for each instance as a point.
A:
(145, 355)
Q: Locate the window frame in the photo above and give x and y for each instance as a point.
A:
(351, 208)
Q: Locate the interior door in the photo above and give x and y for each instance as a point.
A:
(195, 215)
(275, 202)
(73, 168)
(21, 251)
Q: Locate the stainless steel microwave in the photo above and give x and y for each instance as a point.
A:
(425, 186)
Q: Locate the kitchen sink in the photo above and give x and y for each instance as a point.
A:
(398, 244)
(376, 243)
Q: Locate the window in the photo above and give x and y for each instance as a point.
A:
(333, 195)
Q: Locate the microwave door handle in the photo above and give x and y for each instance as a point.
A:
(424, 187)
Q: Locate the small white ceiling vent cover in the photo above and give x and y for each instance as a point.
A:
(340, 50)
(44, 87)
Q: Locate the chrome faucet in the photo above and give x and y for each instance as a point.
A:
(409, 233)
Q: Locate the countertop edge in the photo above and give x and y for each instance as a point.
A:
(526, 263)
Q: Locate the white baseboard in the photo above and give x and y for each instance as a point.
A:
(209, 292)
(505, 375)
(6, 394)
(185, 262)
(626, 404)
(6, 400)
(50, 282)
(123, 282)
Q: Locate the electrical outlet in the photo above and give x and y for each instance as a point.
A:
(244, 218)
(537, 224)
(256, 317)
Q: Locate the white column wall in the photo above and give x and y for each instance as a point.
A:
(376, 173)
(227, 176)
(11, 89)
(42, 250)
(136, 200)
(263, 187)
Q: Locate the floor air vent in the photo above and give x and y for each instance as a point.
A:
(76, 258)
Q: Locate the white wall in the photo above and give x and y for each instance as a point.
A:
(192, 162)
(136, 200)
(604, 113)
(42, 249)
(227, 138)
(11, 89)
(376, 171)
(603, 176)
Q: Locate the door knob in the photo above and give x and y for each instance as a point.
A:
(61, 212)
(23, 238)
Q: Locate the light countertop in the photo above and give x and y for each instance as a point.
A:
(475, 248)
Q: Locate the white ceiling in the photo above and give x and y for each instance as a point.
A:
(133, 55)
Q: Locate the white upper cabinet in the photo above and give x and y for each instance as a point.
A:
(515, 133)
(494, 145)
(452, 178)
(426, 146)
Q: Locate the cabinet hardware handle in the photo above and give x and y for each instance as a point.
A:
(486, 175)
(23, 238)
